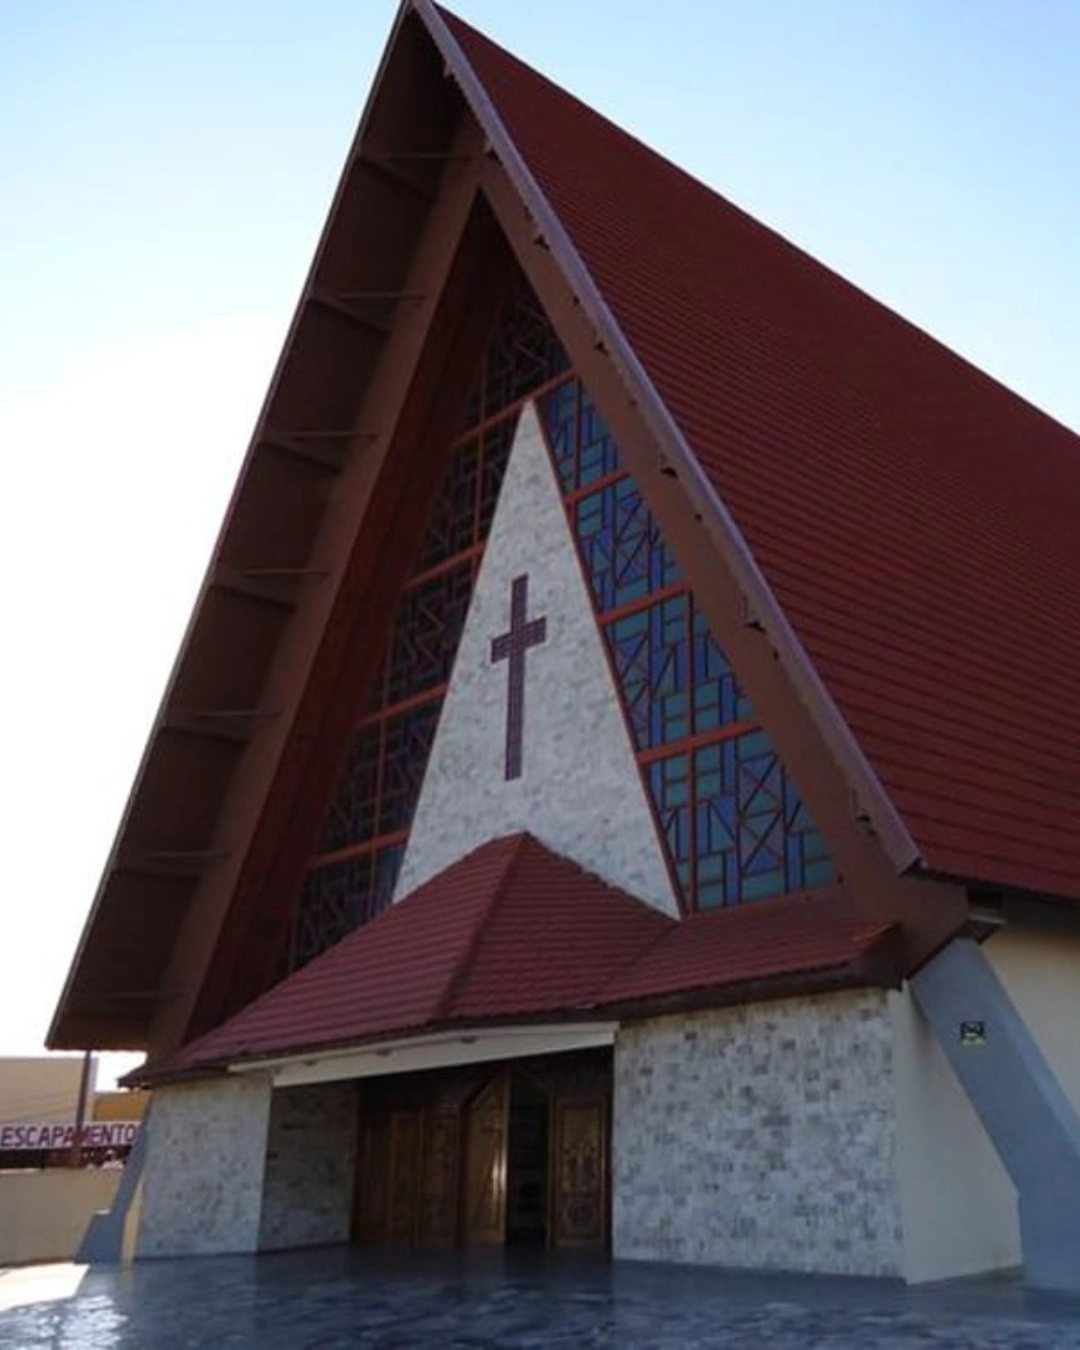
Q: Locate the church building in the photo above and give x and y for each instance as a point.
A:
(619, 789)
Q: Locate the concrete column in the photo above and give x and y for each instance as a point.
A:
(1017, 1096)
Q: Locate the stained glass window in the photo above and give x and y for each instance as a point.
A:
(427, 627)
(352, 875)
(340, 896)
(732, 823)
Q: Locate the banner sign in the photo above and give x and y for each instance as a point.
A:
(95, 1134)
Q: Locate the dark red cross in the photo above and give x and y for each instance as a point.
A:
(511, 647)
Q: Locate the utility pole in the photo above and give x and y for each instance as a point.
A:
(80, 1109)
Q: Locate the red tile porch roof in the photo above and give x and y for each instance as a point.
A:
(515, 932)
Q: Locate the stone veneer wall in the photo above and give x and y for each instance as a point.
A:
(760, 1136)
(310, 1166)
(580, 790)
(202, 1189)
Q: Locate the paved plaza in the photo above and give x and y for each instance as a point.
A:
(337, 1298)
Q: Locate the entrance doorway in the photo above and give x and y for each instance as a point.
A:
(507, 1182)
(511, 1155)
(528, 1177)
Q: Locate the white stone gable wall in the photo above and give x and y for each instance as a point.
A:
(580, 791)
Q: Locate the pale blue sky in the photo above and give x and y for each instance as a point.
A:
(165, 169)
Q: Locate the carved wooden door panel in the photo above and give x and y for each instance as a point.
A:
(371, 1201)
(579, 1165)
(406, 1147)
(484, 1199)
(439, 1201)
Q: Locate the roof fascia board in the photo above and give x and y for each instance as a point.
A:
(410, 1054)
(867, 788)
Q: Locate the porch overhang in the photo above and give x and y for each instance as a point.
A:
(436, 1050)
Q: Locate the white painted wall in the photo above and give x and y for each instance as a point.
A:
(959, 1206)
(1040, 970)
(580, 791)
(41, 1087)
(206, 1153)
(957, 1203)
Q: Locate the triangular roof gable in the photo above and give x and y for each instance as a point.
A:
(280, 605)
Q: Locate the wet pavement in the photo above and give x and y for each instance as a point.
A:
(337, 1298)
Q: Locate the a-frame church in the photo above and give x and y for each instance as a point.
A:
(619, 788)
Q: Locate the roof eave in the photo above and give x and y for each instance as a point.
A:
(55, 1036)
(873, 964)
(317, 1061)
(69, 1022)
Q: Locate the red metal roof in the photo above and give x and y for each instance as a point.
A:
(514, 931)
(915, 520)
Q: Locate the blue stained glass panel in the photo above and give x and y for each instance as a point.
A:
(718, 699)
(524, 352)
(497, 442)
(340, 896)
(427, 627)
(754, 836)
(734, 826)
(558, 413)
(351, 817)
(651, 654)
(453, 523)
(407, 741)
(598, 456)
(624, 554)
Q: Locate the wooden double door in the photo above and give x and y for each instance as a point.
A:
(515, 1154)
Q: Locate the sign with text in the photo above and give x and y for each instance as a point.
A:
(57, 1134)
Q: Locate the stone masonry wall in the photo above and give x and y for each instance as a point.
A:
(202, 1189)
(760, 1136)
(580, 790)
(310, 1166)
